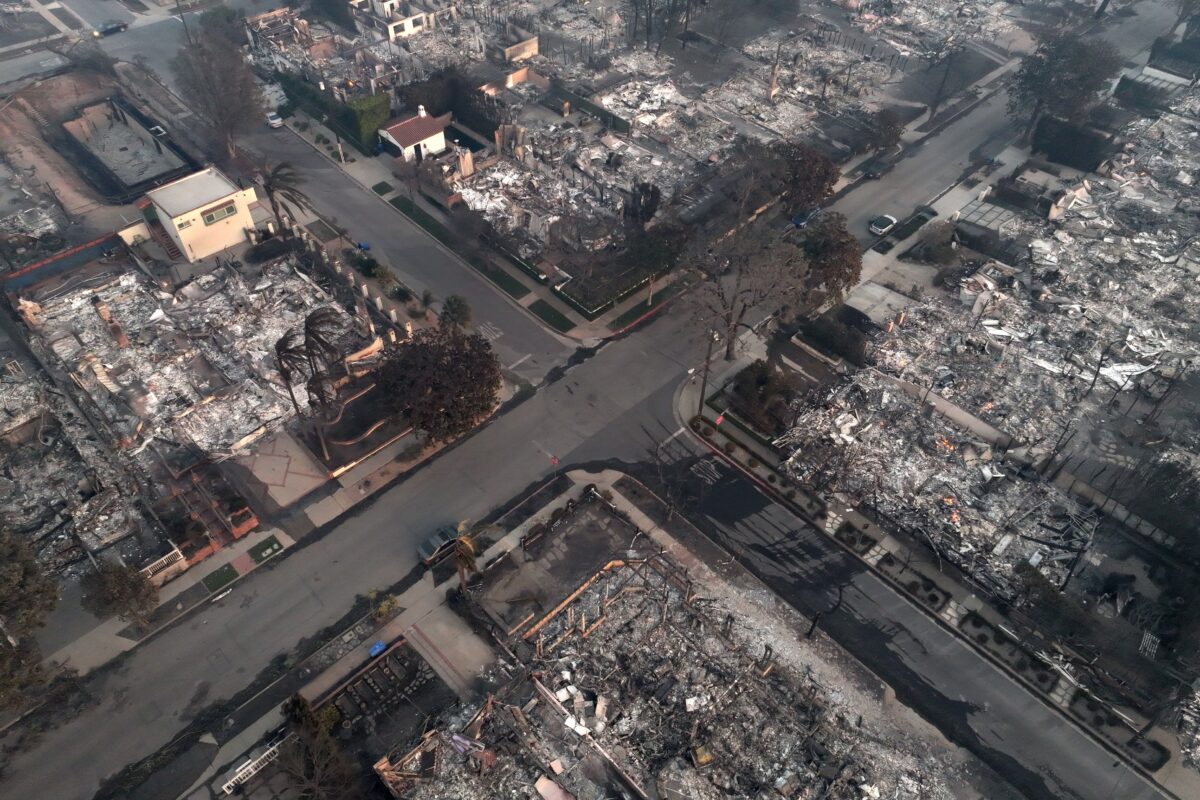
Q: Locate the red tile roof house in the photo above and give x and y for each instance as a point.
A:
(417, 137)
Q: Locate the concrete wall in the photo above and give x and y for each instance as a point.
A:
(521, 50)
(432, 146)
(138, 231)
(197, 240)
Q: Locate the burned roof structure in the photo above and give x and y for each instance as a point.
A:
(629, 683)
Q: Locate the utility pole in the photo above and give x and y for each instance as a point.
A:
(187, 32)
(712, 340)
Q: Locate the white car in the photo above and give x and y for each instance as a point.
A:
(882, 225)
(274, 120)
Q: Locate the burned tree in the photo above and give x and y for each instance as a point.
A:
(884, 130)
(218, 83)
(291, 360)
(119, 590)
(743, 272)
(643, 204)
(834, 257)
(27, 596)
(1063, 77)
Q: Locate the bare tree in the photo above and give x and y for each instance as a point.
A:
(314, 764)
(944, 56)
(219, 85)
(1186, 10)
(743, 272)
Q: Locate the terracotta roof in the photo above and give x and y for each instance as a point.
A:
(408, 132)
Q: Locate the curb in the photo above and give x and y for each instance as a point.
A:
(456, 257)
(656, 309)
(776, 496)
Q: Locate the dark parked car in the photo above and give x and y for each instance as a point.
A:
(437, 546)
(109, 28)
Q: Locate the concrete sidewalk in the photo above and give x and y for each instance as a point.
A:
(924, 582)
(106, 641)
(438, 634)
(374, 174)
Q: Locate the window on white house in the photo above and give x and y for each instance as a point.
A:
(218, 214)
(181, 225)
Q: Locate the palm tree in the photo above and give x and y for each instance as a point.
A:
(320, 328)
(320, 390)
(426, 299)
(290, 360)
(456, 312)
(281, 183)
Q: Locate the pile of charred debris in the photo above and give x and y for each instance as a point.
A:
(634, 686)
(194, 366)
(1036, 362)
(875, 442)
(59, 489)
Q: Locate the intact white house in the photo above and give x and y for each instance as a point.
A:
(202, 213)
(417, 137)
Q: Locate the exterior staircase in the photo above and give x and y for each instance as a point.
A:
(159, 234)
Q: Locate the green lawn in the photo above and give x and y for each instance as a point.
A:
(219, 578)
(510, 285)
(422, 218)
(513, 287)
(552, 316)
(383, 187)
(643, 307)
(265, 549)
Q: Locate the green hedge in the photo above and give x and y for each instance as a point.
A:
(510, 285)
(357, 121)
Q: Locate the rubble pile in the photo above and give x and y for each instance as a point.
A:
(600, 23)
(915, 26)
(58, 489)
(1096, 321)
(460, 43)
(811, 67)
(31, 220)
(655, 669)
(194, 367)
(871, 441)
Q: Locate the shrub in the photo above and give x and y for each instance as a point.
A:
(265, 251)
(730, 448)
(771, 478)
(838, 337)
(752, 463)
(400, 292)
(1074, 145)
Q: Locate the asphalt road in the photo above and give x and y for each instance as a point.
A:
(973, 703)
(610, 406)
(939, 163)
(418, 259)
(931, 168)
